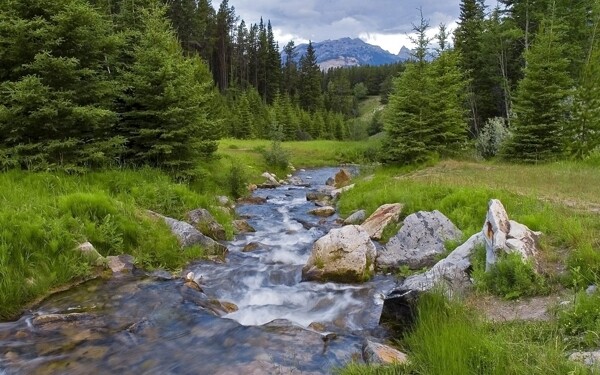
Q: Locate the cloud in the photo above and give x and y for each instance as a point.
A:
(381, 22)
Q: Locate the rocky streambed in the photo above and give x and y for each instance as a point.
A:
(248, 314)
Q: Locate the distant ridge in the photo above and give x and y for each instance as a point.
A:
(347, 52)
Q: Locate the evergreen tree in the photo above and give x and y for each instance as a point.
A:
(406, 116)
(584, 132)
(541, 100)
(167, 106)
(310, 93)
(446, 86)
(56, 64)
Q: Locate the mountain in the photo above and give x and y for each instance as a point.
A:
(405, 53)
(350, 52)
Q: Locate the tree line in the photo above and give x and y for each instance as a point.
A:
(522, 79)
(87, 84)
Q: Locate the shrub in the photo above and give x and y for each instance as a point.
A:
(276, 156)
(236, 181)
(509, 278)
(492, 137)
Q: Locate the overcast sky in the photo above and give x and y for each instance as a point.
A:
(381, 22)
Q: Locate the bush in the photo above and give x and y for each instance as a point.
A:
(492, 137)
(509, 278)
(276, 156)
(237, 181)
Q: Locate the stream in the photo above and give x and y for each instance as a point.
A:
(154, 324)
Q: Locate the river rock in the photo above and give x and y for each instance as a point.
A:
(206, 224)
(190, 236)
(323, 211)
(252, 187)
(91, 254)
(330, 181)
(242, 226)
(419, 241)
(296, 181)
(356, 218)
(251, 247)
(120, 263)
(344, 254)
(451, 272)
(323, 194)
(271, 178)
(60, 318)
(223, 201)
(380, 354)
(252, 200)
(591, 359)
(384, 215)
(335, 194)
(506, 236)
(342, 178)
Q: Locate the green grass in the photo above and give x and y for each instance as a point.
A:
(570, 235)
(45, 216)
(310, 154)
(450, 339)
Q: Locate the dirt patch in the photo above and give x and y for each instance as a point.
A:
(530, 309)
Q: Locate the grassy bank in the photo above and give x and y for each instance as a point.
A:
(45, 216)
(558, 199)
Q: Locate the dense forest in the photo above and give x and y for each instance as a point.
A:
(144, 82)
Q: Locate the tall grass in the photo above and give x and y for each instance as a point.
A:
(45, 216)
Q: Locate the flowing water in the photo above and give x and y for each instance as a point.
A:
(157, 325)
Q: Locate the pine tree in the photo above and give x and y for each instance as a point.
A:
(310, 93)
(541, 100)
(406, 116)
(56, 64)
(167, 108)
(446, 86)
(584, 127)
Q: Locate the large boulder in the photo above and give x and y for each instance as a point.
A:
(206, 224)
(342, 178)
(506, 236)
(384, 215)
(344, 254)
(451, 272)
(187, 236)
(420, 240)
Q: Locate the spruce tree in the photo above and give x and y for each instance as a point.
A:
(56, 62)
(584, 127)
(167, 111)
(541, 100)
(310, 93)
(406, 116)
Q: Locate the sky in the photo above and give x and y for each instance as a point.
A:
(386, 23)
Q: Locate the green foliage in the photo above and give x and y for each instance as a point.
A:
(584, 265)
(541, 100)
(167, 104)
(424, 116)
(492, 137)
(580, 321)
(237, 181)
(509, 278)
(276, 156)
(57, 86)
(45, 216)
